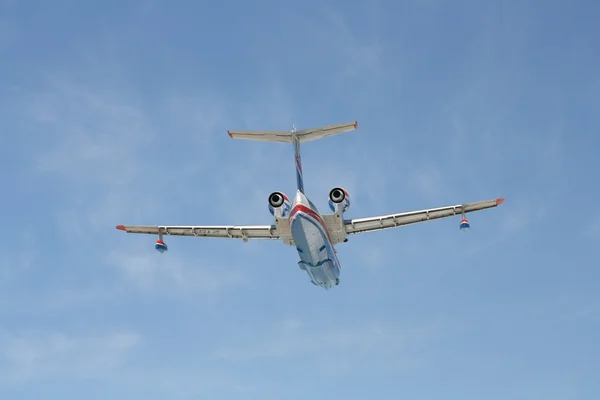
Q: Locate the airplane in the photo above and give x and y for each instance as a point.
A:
(300, 224)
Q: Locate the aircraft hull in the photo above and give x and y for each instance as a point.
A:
(317, 255)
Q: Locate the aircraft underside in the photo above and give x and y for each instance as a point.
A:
(316, 253)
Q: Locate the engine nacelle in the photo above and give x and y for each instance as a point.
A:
(339, 199)
(279, 204)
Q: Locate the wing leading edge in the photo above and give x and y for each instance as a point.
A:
(226, 231)
(361, 225)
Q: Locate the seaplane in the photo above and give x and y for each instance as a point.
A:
(300, 224)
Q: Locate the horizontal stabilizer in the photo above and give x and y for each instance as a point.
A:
(304, 135)
(307, 135)
(262, 136)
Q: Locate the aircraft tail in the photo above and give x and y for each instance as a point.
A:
(303, 135)
(262, 136)
(296, 138)
(308, 135)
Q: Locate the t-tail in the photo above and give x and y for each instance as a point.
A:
(296, 137)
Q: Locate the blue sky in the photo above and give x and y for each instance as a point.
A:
(116, 112)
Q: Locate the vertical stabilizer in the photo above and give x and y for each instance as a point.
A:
(298, 158)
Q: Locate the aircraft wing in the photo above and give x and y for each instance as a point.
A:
(361, 225)
(227, 232)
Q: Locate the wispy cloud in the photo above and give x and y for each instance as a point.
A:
(175, 275)
(343, 345)
(131, 128)
(427, 180)
(196, 119)
(7, 30)
(101, 147)
(354, 55)
(271, 108)
(100, 150)
(91, 131)
(31, 355)
(594, 226)
(20, 255)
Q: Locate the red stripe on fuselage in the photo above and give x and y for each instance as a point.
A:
(312, 213)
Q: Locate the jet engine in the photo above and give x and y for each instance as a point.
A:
(339, 199)
(279, 204)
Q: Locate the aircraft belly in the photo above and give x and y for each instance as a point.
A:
(314, 252)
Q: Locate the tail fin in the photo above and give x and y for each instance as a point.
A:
(299, 176)
(295, 137)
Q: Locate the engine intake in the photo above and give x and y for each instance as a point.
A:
(279, 204)
(339, 199)
(276, 199)
(337, 195)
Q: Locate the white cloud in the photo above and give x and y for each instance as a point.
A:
(62, 298)
(102, 154)
(594, 226)
(335, 349)
(198, 120)
(353, 56)
(173, 274)
(94, 131)
(32, 355)
(427, 181)
(269, 109)
(199, 379)
(20, 255)
(7, 33)
(103, 149)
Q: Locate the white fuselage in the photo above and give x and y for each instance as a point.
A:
(317, 254)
